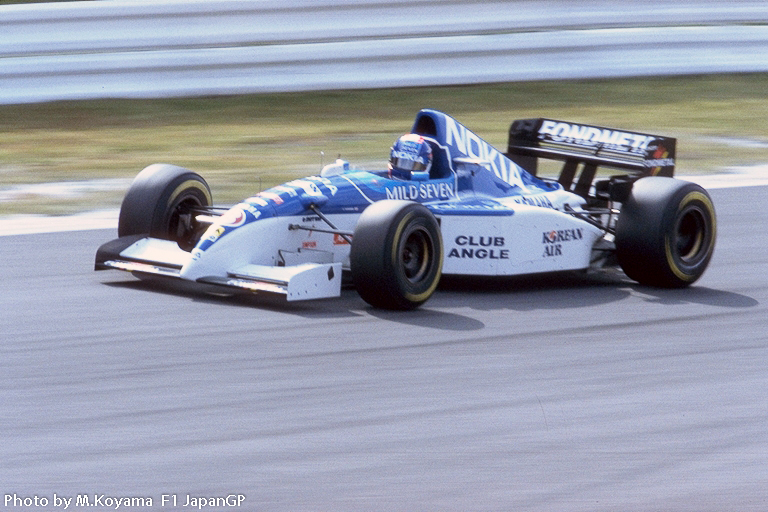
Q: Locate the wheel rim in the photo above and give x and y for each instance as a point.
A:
(691, 233)
(416, 254)
(181, 225)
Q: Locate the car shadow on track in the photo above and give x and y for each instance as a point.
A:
(562, 290)
(578, 289)
(341, 307)
(695, 295)
(426, 316)
(558, 291)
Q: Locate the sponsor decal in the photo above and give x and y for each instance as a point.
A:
(409, 155)
(553, 250)
(479, 247)
(659, 162)
(475, 147)
(257, 200)
(591, 136)
(325, 181)
(659, 159)
(282, 189)
(309, 187)
(213, 233)
(421, 191)
(272, 197)
(309, 244)
(233, 218)
(553, 240)
(250, 208)
(339, 240)
(472, 206)
(562, 235)
(535, 200)
(310, 218)
(480, 241)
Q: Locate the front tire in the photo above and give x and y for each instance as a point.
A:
(666, 232)
(396, 256)
(160, 203)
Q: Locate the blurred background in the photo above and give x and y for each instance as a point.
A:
(251, 93)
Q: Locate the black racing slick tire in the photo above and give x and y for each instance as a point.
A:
(396, 257)
(159, 204)
(665, 235)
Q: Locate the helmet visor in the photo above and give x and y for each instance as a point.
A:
(406, 163)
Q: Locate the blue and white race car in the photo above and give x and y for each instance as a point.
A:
(448, 204)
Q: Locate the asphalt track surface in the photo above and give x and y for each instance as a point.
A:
(567, 394)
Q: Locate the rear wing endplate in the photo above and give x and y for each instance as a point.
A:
(639, 154)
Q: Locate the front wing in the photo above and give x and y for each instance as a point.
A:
(151, 256)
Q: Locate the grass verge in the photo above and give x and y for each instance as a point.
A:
(244, 143)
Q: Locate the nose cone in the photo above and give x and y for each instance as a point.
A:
(216, 252)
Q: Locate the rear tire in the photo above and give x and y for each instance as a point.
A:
(159, 204)
(666, 232)
(396, 256)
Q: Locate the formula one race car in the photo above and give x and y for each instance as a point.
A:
(449, 203)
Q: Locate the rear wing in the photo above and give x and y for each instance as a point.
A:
(639, 154)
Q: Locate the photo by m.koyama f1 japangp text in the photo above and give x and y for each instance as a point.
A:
(448, 203)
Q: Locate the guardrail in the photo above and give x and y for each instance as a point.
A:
(79, 50)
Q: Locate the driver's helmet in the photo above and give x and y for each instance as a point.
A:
(410, 153)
